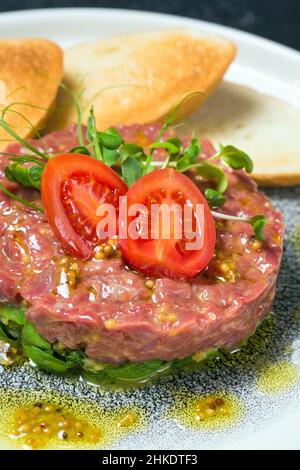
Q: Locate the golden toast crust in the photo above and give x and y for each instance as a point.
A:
(31, 70)
(143, 75)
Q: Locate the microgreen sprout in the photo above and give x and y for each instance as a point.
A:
(257, 222)
(132, 161)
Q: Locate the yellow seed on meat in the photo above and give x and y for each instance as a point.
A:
(110, 324)
(172, 317)
(224, 267)
(107, 250)
(74, 267)
(163, 309)
(150, 283)
(72, 279)
(100, 255)
(63, 260)
(256, 245)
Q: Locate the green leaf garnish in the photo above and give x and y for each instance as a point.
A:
(131, 171)
(235, 158)
(212, 172)
(131, 150)
(30, 337)
(169, 145)
(92, 135)
(81, 150)
(110, 157)
(28, 177)
(129, 372)
(190, 155)
(258, 223)
(110, 139)
(5, 337)
(46, 361)
(12, 313)
(214, 198)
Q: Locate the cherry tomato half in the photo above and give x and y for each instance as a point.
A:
(73, 187)
(155, 253)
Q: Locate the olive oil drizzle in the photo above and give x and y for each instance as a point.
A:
(36, 420)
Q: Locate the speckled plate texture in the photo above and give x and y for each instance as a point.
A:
(263, 378)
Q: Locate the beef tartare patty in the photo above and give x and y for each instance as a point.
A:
(115, 314)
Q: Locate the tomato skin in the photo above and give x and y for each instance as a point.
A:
(60, 169)
(159, 258)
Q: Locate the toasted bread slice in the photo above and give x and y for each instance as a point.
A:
(264, 127)
(30, 73)
(138, 78)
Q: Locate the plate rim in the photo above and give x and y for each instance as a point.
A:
(268, 43)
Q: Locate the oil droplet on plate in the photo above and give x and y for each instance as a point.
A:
(43, 420)
(207, 413)
(276, 378)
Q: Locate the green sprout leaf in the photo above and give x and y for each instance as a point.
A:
(134, 372)
(92, 134)
(110, 157)
(189, 156)
(131, 171)
(172, 147)
(30, 337)
(5, 337)
(81, 150)
(258, 223)
(212, 172)
(131, 150)
(235, 158)
(46, 361)
(12, 313)
(110, 139)
(193, 150)
(28, 177)
(215, 198)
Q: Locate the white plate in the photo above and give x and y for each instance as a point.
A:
(262, 64)
(270, 67)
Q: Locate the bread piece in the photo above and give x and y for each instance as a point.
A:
(30, 70)
(264, 127)
(138, 78)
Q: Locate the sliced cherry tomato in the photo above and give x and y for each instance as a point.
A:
(72, 188)
(170, 257)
